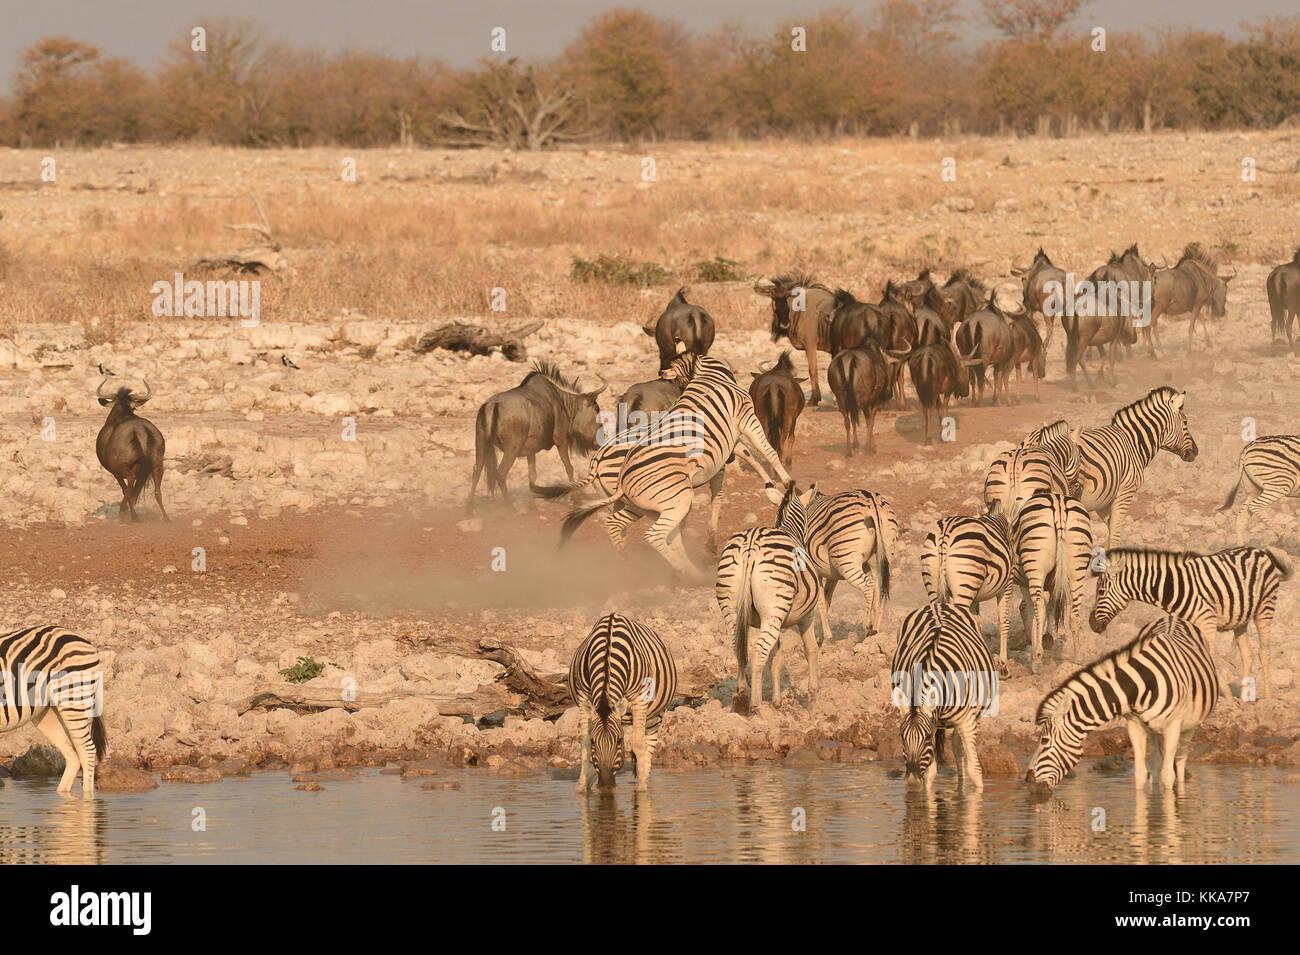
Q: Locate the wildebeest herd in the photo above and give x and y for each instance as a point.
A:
(1033, 533)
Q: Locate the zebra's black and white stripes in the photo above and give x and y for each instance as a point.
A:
(621, 673)
(52, 679)
(1163, 683)
(850, 537)
(1272, 465)
(1018, 473)
(1052, 539)
(765, 579)
(967, 560)
(1221, 591)
(943, 678)
(1112, 458)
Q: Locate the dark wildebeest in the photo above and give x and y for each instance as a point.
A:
(778, 401)
(1188, 287)
(650, 396)
(681, 321)
(953, 300)
(801, 311)
(901, 333)
(1027, 348)
(1284, 298)
(985, 341)
(862, 379)
(543, 411)
(1035, 280)
(130, 448)
(855, 322)
(938, 373)
(1109, 315)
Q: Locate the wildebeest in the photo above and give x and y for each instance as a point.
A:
(901, 333)
(1112, 312)
(938, 374)
(953, 300)
(862, 379)
(801, 311)
(1284, 298)
(1027, 348)
(130, 447)
(681, 321)
(985, 341)
(778, 401)
(855, 322)
(650, 396)
(1035, 279)
(545, 410)
(1191, 285)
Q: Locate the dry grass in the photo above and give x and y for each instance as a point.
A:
(431, 233)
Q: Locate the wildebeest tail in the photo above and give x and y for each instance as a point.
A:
(773, 416)
(485, 457)
(851, 390)
(143, 470)
(1277, 302)
(574, 519)
(99, 736)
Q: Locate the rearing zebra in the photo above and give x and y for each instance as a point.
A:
(850, 536)
(1272, 465)
(621, 673)
(765, 579)
(1163, 683)
(52, 678)
(944, 679)
(1220, 591)
(688, 447)
(1112, 458)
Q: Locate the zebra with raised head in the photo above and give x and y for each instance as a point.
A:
(1017, 473)
(1222, 591)
(944, 679)
(967, 560)
(1163, 683)
(622, 673)
(1112, 458)
(766, 580)
(1272, 465)
(1052, 539)
(52, 679)
(688, 447)
(850, 537)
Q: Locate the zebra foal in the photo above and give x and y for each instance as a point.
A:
(1163, 683)
(621, 673)
(1221, 591)
(766, 580)
(943, 678)
(52, 679)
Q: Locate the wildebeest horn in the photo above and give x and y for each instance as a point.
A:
(765, 366)
(99, 392)
(603, 385)
(764, 286)
(679, 346)
(141, 399)
(896, 356)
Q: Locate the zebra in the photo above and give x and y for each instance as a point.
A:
(967, 560)
(621, 673)
(52, 679)
(944, 679)
(1220, 591)
(1052, 539)
(765, 579)
(850, 536)
(1113, 457)
(1272, 465)
(688, 447)
(1163, 683)
(1057, 439)
(1017, 473)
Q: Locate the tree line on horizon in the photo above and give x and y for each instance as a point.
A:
(630, 76)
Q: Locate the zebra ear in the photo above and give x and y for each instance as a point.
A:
(1176, 402)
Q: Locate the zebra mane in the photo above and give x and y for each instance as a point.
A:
(1057, 429)
(1121, 554)
(1162, 395)
(1059, 698)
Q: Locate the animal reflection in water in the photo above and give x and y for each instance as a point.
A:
(943, 829)
(71, 832)
(624, 832)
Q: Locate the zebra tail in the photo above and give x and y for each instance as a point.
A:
(1061, 597)
(743, 609)
(1281, 563)
(573, 520)
(551, 491)
(1241, 476)
(941, 592)
(881, 556)
(99, 736)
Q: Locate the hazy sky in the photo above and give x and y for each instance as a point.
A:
(457, 32)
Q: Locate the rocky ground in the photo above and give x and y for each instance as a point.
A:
(360, 554)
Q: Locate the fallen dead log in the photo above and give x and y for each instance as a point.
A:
(548, 696)
(477, 340)
(256, 259)
(488, 699)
